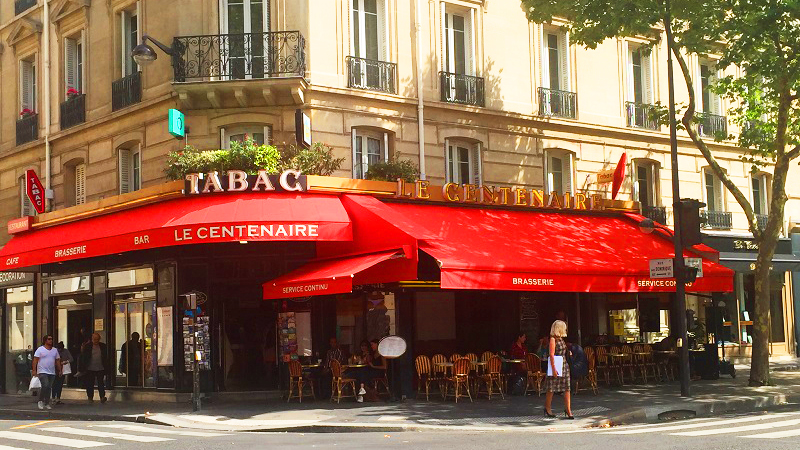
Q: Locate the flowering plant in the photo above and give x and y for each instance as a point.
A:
(72, 93)
(26, 113)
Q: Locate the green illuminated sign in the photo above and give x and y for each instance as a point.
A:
(177, 123)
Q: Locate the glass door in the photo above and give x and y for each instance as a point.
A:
(73, 326)
(246, 25)
(135, 337)
(19, 338)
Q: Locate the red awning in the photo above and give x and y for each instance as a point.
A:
(187, 220)
(480, 248)
(327, 276)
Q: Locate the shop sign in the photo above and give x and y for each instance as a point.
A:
(744, 244)
(494, 195)
(20, 225)
(35, 190)
(289, 180)
(605, 176)
(14, 278)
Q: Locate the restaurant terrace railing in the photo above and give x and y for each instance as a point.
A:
(712, 125)
(239, 56)
(28, 129)
(462, 89)
(73, 111)
(555, 103)
(717, 220)
(126, 91)
(657, 213)
(20, 6)
(371, 75)
(642, 115)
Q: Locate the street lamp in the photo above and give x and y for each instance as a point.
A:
(143, 54)
(647, 226)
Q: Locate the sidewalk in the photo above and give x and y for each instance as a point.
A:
(629, 404)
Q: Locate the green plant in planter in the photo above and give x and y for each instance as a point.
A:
(392, 170)
(316, 160)
(248, 156)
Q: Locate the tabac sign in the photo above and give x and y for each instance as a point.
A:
(493, 195)
(35, 190)
(289, 180)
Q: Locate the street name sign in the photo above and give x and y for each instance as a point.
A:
(661, 268)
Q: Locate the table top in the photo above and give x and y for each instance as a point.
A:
(665, 351)
(479, 363)
(443, 364)
(515, 361)
(311, 366)
(354, 365)
(616, 355)
(641, 353)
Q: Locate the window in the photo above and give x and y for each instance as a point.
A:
(27, 84)
(369, 29)
(26, 207)
(709, 102)
(246, 21)
(369, 147)
(558, 170)
(80, 184)
(129, 25)
(457, 40)
(640, 83)
(645, 185)
(713, 189)
(554, 60)
(130, 169)
(261, 134)
(73, 63)
(759, 186)
(463, 163)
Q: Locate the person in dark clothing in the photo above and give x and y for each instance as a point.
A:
(130, 362)
(93, 364)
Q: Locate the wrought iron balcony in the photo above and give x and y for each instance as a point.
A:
(20, 6)
(28, 129)
(462, 89)
(239, 56)
(553, 102)
(126, 91)
(371, 75)
(642, 115)
(73, 111)
(716, 220)
(657, 213)
(712, 125)
(761, 219)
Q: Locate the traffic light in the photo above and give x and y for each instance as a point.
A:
(690, 222)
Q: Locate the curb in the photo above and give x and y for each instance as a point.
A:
(138, 418)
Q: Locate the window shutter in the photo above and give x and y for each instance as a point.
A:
(628, 61)
(544, 60)
(385, 149)
(268, 134)
(449, 161)
(469, 42)
(70, 64)
(647, 77)
(26, 85)
(477, 166)
(719, 194)
(716, 101)
(223, 139)
(136, 169)
(383, 30)
(563, 53)
(267, 16)
(567, 175)
(80, 184)
(634, 177)
(356, 162)
(124, 171)
(27, 207)
(548, 180)
(124, 31)
(698, 87)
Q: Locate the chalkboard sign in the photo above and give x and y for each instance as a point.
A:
(649, 315)
(528, 317)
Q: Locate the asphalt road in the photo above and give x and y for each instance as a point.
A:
(774, 430)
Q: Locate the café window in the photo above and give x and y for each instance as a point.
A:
(260, 134)
(131, 277)
(69, 285)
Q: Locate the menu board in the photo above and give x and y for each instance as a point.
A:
(203, 343)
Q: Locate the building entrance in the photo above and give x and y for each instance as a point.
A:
(134, 344)
(73, 327)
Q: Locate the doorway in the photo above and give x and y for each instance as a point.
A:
(135, 334)
(73, 326)
(245, 23)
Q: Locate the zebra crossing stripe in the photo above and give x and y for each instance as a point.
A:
(158, 430)
(106, 434)
(41, 439)
(5, 447)
(759, 426)
(657, 429)
(774, 434)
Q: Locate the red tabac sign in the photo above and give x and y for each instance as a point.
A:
(35, 190)
(619, 175)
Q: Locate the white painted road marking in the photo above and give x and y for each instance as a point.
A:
(159, 430)
(775, 434)
(106, 434)
(660, 428)
(55, 440)
(760, 426)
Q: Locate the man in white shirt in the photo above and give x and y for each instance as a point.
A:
(46, 365)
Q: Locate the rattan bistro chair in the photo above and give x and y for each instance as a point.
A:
(297, 382)
(339, 383)
(454, 357)
(425, 376)
(591, 374)
(439, 371)
(491, 378)
(459, 381)
(603, 363)
(486, 355)
(535, 375)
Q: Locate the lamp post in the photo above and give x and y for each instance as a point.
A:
(143, 54)
(678, 265)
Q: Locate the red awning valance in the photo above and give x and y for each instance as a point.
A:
(187, 220)
(328, 276)
(524, 250)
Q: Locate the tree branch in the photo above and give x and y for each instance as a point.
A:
(691, 128)
(793, 153)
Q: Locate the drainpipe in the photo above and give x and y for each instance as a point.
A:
(46, 82)
(420, 105)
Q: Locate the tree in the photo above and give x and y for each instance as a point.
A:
(758, 36)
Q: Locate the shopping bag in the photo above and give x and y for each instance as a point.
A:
(35, 384)
(66, 368)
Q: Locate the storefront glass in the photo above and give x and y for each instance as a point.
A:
(73, 326)
(19, 338)
(135, 337)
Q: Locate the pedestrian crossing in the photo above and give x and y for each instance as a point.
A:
(93, 435)
(761, 426)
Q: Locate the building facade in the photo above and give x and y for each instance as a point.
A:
(435, 82)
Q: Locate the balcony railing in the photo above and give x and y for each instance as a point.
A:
(126, 91)
(761, 219)
(712, 125)
(553, 102)
(239, 56)
(28, 129)
(462, 89)
(717, 220)
(20, 6)
(657, 213)
(73, 111)
(371, 75)
(642, 115)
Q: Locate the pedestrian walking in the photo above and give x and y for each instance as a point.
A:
(46, 366)
(93, 364)
(558, 379)
(66, 369)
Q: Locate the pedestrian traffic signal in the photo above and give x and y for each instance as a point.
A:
(690, 222)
